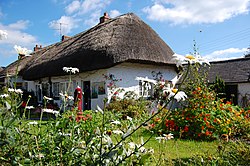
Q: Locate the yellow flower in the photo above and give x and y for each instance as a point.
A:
(190, 57)
(230, 131)
(218, 120)
(237, 114)
(174, 90)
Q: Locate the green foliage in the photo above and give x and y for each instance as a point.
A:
(219, 87)
(89, 138)
(129, 107)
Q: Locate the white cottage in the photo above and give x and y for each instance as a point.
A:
(125, 47)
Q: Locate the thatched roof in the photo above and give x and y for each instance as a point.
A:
(123, 39)
(15, 67)
(231, 71)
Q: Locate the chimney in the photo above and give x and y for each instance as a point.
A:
(64, 37)
(104, 18)
(37, 47)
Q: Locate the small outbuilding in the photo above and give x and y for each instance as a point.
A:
(236, 75)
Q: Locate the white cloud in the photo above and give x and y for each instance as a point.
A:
(229, 53)
(16, 36)
(193, 11)
(64, 25)
(75, 11)
(90, 10)
(80, 8)
(114, 13)
(19, 38)
(93, 18)
(73, 7)
(90, 5)
(19, 25)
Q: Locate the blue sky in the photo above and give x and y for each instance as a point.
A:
(221, 28)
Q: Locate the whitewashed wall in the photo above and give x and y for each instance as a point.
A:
(129, 71)
(243, 89)
(125, 71)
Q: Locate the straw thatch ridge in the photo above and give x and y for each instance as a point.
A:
(231, 71)
(15, 67)
(18, 66)
(123, 39)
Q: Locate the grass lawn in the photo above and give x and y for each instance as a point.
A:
(175, 149)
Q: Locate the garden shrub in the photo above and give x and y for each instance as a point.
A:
(130, 107)
(204, 116)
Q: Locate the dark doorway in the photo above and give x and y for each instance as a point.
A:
(86, 96)
(232, 93)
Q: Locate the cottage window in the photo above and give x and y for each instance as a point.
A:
(62, 87)
(55, 89)
(45, 89)
(146, 89)
(19, 85)
(39, 92)
(25, 86)
(65, 88)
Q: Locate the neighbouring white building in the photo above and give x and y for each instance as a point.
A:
(236, 75)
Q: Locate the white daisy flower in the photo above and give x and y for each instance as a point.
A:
(129, 118)
(117, 132)
(180, 60)
(55, 112)
(116, 122)
(22, 51)
(70, 97)
(71, 70)
(47, 98)
(171, 91)
(11, 90)
(18, 91)
(63, 134)
(29, 107)
(33, 123)
(165, 137)
(4, 95)
(47, 110)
